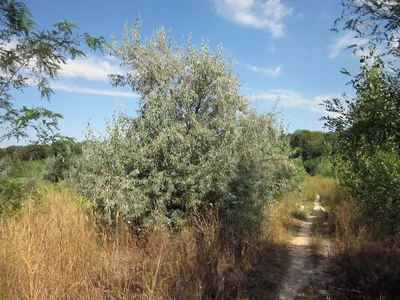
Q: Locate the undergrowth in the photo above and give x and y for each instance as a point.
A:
(365, 265)
(54, 249)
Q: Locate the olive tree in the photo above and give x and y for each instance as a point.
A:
(189, 146)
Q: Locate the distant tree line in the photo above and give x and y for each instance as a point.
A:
(39, 152)
(28, 152)
(313, 148)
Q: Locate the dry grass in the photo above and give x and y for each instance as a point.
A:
(52, 249)
(317, 185)
(317, 243)
(296, 206)
(365, 266)
(282, 222)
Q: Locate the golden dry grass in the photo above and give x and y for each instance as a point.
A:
(317, 185)
(284, 216)
(281, 223)
(53, 249)
(365, 265)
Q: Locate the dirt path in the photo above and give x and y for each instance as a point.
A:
(303, 272)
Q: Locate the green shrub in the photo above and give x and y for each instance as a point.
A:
(193, 146)
(63, 152)
(53, 169)
(368, 146)
(24, 169)
(375, 180)
(319, 166)
(13, 191)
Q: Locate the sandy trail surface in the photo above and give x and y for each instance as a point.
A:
(303, 270)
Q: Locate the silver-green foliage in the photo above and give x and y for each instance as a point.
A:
(194, 144)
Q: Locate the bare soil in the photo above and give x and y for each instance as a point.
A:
(306, 276)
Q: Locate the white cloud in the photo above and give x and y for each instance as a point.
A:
(87, 90)
(293, 99)
(272, 72)
(343, 41)
(258, 14)
(90, 68)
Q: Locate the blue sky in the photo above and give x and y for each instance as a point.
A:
(283, 49)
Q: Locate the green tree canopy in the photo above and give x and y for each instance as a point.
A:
(33, 56)
(34, 152)
(368, 148)
(311, 144)
(377, 21)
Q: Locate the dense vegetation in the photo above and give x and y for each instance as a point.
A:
(367, 157)
(196, 196)
(194, 144)
(314, 149)
(196, 172)
(367, 126)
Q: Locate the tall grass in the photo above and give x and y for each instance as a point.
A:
(318, 185)
(53, 249)
(365, 264)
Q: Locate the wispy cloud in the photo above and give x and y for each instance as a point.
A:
(293, 99)
(272, 72)
(87, 90)
(260, 14)
(90, 68)
(272, 47)
(342, 42)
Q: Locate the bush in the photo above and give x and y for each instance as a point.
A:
(12, 193)
(319, 166)
(368, 146)
(17, 180)
(54, 168)
(375, 180)
(17, 168)
(194, 144)
(63, 152)
(156, 184)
